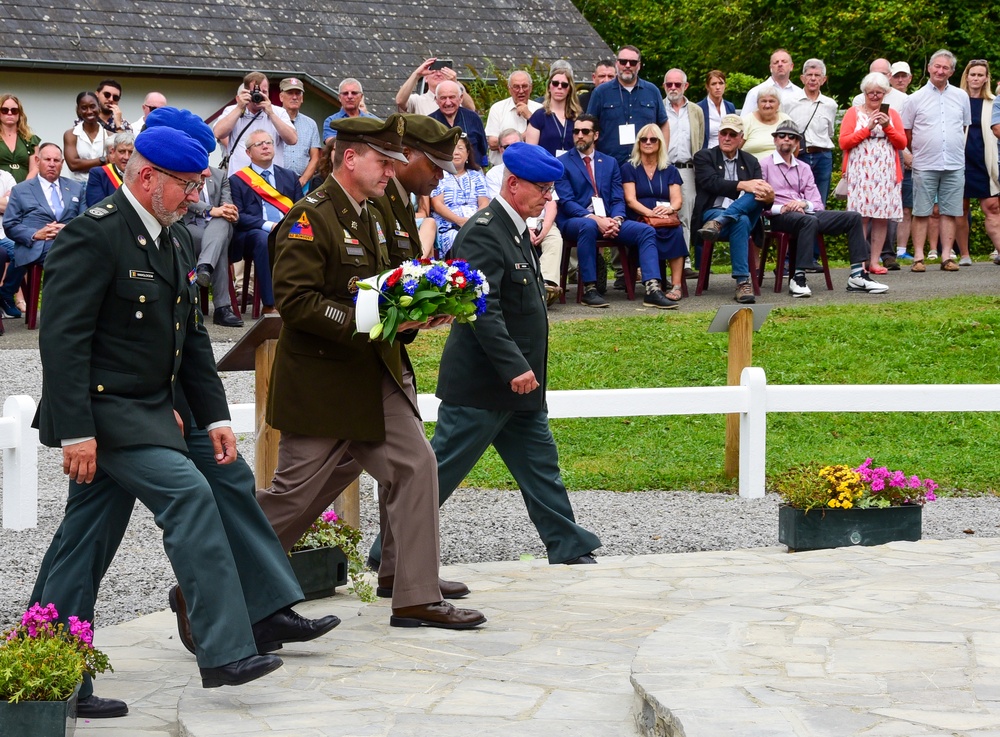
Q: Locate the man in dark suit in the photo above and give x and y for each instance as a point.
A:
(38, 209)
(592, 206)
(493, 373)
(731, 196)
(210, 223)
(345, 403)
(120, 350)
(104, 180)
(262, 192)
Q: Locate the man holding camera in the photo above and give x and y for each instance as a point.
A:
(253, 111)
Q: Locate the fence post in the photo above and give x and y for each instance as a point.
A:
(753, 434)
(20, 466)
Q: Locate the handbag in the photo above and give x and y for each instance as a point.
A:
(840, 192)
(670, 221)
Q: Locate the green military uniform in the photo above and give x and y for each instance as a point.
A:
(122, 334)
(345, 403)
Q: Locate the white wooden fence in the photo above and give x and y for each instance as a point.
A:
(752, 400)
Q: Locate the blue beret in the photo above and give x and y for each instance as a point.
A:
(171, 149)
(531, 162)
(183, 120)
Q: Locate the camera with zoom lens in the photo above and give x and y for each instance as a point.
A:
(256, 96)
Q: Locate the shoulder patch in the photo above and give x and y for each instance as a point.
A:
(98, 212)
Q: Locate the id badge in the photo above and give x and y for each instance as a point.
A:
(626, 134)
(599, 207)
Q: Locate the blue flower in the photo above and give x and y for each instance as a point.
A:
(480, 303)
(410, 285)
(437, 275)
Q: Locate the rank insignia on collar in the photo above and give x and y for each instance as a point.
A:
(354, 224)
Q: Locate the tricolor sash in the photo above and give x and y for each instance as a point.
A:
(109, 170)
(259, 185)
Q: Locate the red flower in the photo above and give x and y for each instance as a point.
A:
(394, 277)
(459, 281)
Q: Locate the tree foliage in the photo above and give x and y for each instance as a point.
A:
(739, 35)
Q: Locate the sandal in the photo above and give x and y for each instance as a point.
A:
(949, 265)
(674, 294)
(918, 266)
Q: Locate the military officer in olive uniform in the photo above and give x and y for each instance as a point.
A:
(493, 373)
(123, 335)
(341, 401)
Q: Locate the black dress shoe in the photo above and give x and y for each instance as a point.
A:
(584, 559)
(242, 671)
(227, 318)
(287, 625)
(203, 275)
(449, 589)
(94, 707)
(179, 607)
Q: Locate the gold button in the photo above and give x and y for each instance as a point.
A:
(142, 297)
(178, 300)
(195, 300)
(138, 314)
(100, 387)
(171, 377)
(177, 326)
(177, 353)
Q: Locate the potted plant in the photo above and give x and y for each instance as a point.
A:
(837, 506)
(42, 663)
(326, 554)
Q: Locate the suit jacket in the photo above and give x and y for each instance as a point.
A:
(575, 190)
(326, 380)
(28, 210)
(703, 104)
(219, 193)
(249, 203)
(710, 180)
(99, 185)
(115, 345)
(480, 359)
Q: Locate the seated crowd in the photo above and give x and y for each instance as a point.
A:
(654, 174)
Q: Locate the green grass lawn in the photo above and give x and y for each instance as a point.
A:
(947, 341)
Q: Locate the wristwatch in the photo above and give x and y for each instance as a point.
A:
(103, 159)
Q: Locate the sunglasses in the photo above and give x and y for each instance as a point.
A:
(190, 185)
(728, 134)
(10, 110)
(582, 131)
(560, 85)
(112, 97)
(628, 62)
(672, 85)
(649, 139)
(785, 135)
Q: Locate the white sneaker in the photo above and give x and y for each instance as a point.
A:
(797, 286)
(864, 283)
(965, 261)
(995, 257)
(932, 256)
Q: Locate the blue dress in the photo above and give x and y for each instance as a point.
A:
(461, 195)
(552, 135)
(669, 241)
(977, 178)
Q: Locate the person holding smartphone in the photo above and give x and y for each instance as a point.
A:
(434, 71)
(871, 135)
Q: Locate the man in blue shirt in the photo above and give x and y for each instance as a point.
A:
(624, 105)
(351, 96)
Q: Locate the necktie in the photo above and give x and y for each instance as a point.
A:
(55, 200)
(590, 173)
(271, 212)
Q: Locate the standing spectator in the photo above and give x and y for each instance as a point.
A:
(624, 105)
(781, 72)
(894, 98)
(759, 125)
(109, 95)
(652, 186)
(458, 196)
(104, 180)
(871, 140)
(409, 101)
(17, 155)
(981, 171)
(511, 112)
(551, 126)
(153, 101)
(253, 111)
(302, 157)
(604, 71)
(900, 77)
(687, 131)
(351, 96)
(451, 113)
(936, 117)
(87, 141)
(715, 107)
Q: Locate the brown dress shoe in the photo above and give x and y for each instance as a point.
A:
(449, 589)
(442, 614)
(711, 231)
(179, 607)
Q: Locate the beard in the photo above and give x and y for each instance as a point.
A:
(163, 215)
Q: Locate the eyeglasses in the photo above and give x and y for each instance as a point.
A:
(260, 143)
(10, 110)
(876, 93)
(190, 185)
(544, 190)
(111, 96)
(728, 134)
(582, 131)
(349, 93)
(151, 108)
(785, 135)
(649, 139)
(560, 85)
(672, 85)
(628, 62)
(520, 87)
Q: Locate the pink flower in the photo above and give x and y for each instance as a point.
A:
(329, 516)
(81, 628)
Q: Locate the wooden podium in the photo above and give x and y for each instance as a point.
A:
(255, 352)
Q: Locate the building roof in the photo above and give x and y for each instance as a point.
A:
(379, 43)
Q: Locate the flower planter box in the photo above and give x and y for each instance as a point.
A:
(39, 718)
(319, 571)
(838, 528)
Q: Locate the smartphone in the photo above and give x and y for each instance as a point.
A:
(442, 63)
(884, 108)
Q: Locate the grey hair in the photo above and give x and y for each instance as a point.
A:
(350, 80)
(814, 64)
(560, 65)
(675, 69)
(510, 132)
(125, 138)
(875, 79)
(945, 53)
(770, 90)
